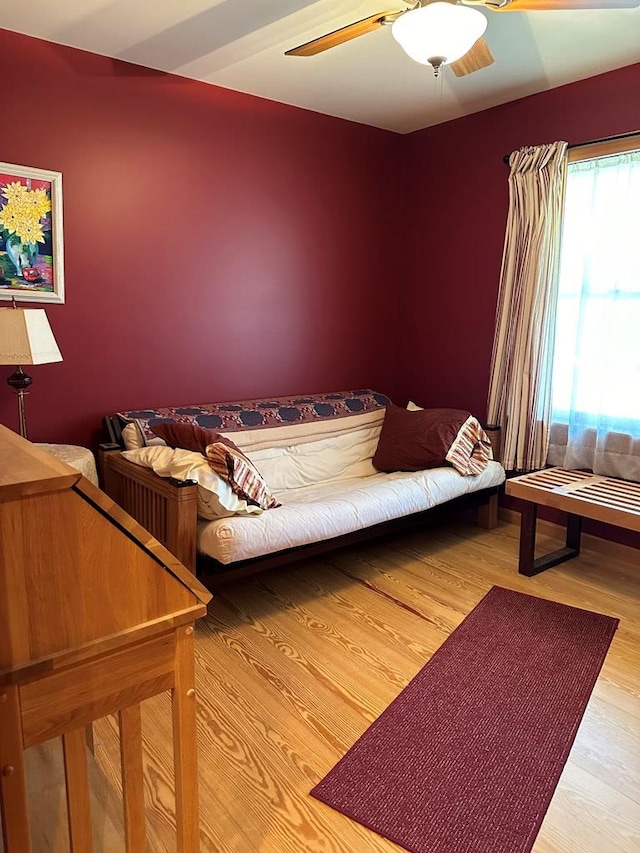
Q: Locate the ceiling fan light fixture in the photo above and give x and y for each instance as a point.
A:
(443, 32)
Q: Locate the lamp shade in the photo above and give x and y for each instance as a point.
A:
(26, 337)
(442, 32)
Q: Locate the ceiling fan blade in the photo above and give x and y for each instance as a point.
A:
(478, 57)
(351, 31)
(558, 5)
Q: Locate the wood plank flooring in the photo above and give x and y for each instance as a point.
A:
(294, 664)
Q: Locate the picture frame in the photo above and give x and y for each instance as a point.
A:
(31, 234)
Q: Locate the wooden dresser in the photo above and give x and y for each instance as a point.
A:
(95, 616)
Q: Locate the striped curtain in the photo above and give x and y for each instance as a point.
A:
(521, 363)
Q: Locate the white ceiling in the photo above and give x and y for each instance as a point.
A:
(240, 44)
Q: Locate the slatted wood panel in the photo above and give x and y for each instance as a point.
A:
(294, 664)
(146, 506)
(581, 493)
(167, 512)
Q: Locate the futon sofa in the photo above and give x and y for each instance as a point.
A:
(317, 455)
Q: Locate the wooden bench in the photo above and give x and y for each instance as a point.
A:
(581, 495)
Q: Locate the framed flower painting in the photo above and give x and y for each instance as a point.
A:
(31, 244)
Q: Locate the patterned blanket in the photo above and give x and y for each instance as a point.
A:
(264, 412)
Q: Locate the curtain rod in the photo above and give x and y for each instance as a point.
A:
(505, 159)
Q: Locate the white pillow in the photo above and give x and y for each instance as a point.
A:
(133, 439)
(413, 408)
(216, 498)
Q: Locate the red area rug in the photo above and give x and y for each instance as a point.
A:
(467, 757)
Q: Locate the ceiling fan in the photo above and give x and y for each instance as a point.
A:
(446, 32)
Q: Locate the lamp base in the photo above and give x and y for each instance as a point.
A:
(20, 381)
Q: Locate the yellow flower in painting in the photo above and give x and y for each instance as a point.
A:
(14, 190)
(23, 212)
(38, 201)
(30, 231)
(9, 219)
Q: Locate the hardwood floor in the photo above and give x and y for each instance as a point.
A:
(293, 665)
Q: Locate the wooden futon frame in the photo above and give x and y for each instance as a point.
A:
(168, 509)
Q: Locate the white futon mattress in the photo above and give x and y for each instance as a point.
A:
(318, 512)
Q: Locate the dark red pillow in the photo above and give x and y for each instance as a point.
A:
(189, 436)
(414, 441)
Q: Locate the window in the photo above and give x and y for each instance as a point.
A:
(596, 366)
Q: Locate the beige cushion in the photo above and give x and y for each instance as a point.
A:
(335, 457)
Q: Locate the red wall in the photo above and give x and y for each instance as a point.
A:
(457, 195)
(456, 192)
(217, 246)
(220, 246)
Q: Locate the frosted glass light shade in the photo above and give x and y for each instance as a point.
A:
(439, 31)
